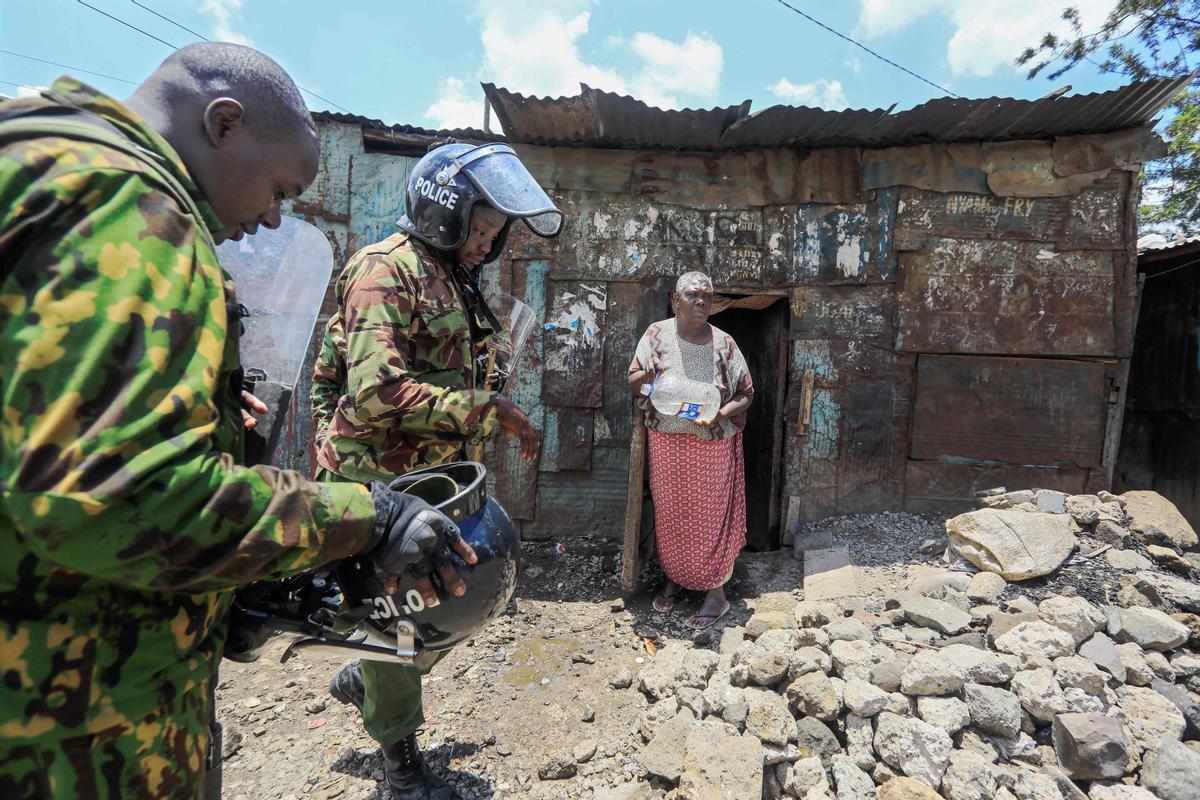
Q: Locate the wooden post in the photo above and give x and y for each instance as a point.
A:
(631, 562)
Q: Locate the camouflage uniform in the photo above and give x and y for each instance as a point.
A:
(125, 519)
(394, 390)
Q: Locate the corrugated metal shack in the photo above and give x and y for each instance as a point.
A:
(1160, 445)
(935, 301)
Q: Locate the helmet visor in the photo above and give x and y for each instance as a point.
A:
(510, 189)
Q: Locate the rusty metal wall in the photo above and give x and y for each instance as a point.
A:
(909, 272)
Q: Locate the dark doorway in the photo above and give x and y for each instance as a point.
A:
(759, 333)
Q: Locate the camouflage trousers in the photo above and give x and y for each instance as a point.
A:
(162, 756)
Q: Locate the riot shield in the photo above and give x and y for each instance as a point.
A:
(280, 276)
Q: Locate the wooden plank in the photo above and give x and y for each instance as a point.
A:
(945, 487)
(1005, 298)
(828, 574)
(1048, 412)
(631, 563)
(631, 309)
(573, 344)
(567, 439)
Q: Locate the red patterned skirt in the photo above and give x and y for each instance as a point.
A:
(699, 491)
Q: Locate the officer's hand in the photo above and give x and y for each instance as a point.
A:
(514, 423)
(251, 403)
(412, 537)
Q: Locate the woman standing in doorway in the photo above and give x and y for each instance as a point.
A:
(697, 478)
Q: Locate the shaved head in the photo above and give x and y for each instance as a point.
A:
(211, 70)
(239, 124)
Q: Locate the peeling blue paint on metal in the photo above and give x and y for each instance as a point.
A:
(822, 439)
(377, 183)
(550, 439)
(813, 354)
(527, 386)
(887, 202)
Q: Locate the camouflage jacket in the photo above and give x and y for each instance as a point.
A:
(124, 517)
(395, 384)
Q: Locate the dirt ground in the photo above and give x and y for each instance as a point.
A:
(534, 691)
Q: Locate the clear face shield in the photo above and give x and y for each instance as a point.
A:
(507, 186)
(505, 349)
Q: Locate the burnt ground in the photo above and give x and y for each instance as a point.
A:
(536, 684)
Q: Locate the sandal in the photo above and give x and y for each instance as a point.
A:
(699, 620)
(663, 603)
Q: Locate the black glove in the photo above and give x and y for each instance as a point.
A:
(411, 536)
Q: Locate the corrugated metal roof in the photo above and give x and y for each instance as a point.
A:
(595, 118)
(1155, 248)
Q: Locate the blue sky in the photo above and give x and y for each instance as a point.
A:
(421, 62)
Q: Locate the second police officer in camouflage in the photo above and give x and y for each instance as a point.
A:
(400, 382)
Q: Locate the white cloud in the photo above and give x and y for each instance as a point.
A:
(27, 91)
(854, 64)
(988, 34)
(457, 106)
(535, 47)
(226, 20)
(817, 94)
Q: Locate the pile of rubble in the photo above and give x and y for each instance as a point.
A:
(946, 689)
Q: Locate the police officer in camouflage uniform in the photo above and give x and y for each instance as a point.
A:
(401, 381)
(125, 519)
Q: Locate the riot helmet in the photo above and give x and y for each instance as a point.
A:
(400, 620)
(447, 183)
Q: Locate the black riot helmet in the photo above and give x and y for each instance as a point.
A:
(449, 180)
(400, 620)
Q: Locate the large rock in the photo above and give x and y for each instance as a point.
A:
(1074, 615)
(1172, 771)
(813, 695)
(986, 587)
(1149, 717)
(1168, 592)
(1119, 791)
(1102, 652)
(931, 673)
(969, 777)
(1033, 641)
(864, 699)
(1076, 672)
(768, 717)
(930, 613)
(814, 738)
(1147, 627)
(664, 755)
(993, 710)
(808, 659)
(851, 782)
(720, 765)
(673, 667)
(1091, 746)
(804, 776)
(978, 665)
(851, 659)
(1014, 544)
(916, 748)
(859, 741)
(1156, 520)
(1137, 671)
(948, 713)
(763, 621)
(903, 788)
(1040, 694)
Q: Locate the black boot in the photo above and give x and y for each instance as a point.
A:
(409, 777)
(405, 770)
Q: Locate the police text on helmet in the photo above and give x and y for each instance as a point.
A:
(438, 194)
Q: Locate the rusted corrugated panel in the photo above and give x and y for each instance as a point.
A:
(1003, 297)
(1032, 411)
(543, 120)
(1093, 219)
(516, 478)
(939, 487)
(377, 187)
(863, 313)
(573, 343)
(571, 504)
(846, 244)
(958, 119)
(936, 167)
(1026, 169)
(850, 458)
(567, 439)
(1121, 150)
